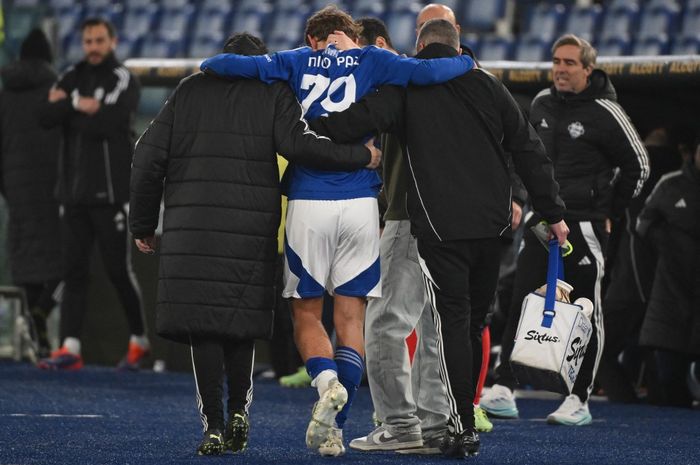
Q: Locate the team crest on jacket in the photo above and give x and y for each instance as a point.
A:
(576, 130)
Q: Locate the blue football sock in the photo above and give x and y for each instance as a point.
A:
(350, 368)
(316, 365)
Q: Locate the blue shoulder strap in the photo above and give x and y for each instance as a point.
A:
(555, 269)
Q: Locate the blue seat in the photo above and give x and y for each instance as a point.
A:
(282, 43)
(583, 21)
(686, 46)
(252, 22)
(692, 5)
(691, 24)
(319, 4)
(495, 48)
(481, 15)
(287, 27)
(73, 48)
(614, 46)
(68, 20)
(128, 4)
(158, 47)
(175, 23)
(60, 4)
(404, 5)
(621, 21)
(651, 46)
(545, 21)
(658, 19)
(113, 13)
(127, 48)
(401, 26)
(289, 5)
(222, 5)
(97, 3)
(204, 47)
(532, 48)
(472, 41)
(363, 8)
(211, 23)
(247, 6)
(139, 21)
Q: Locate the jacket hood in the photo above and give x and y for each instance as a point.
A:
(599, 87)
(27, 74)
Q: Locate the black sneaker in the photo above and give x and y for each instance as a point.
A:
(462, 445)
(236, 433)
(212, 444)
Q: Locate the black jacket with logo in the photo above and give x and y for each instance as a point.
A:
(671, 221)
(588, 136)
(97, 149)
(455, 136)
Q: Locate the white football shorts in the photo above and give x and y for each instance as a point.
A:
(332, 245)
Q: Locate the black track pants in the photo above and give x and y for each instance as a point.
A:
(461, 278)
(211, 358)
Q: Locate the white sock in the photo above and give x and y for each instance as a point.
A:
(141, 341)
(72, 344)
(321, 381)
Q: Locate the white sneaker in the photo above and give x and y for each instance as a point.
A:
(324, 412)
(499, 402)
(333, 445)
(572, 412)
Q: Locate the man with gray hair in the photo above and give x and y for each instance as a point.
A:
(474, 122)
(601, 164)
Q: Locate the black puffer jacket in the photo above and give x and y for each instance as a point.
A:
(671, 221)
(587, 136)
(96, 158)
(29, 162)
(214, 144)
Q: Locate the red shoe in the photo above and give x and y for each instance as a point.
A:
(134, 356)
(61, 359)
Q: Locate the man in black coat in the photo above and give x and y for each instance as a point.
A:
(459, 200)
(214, 145)
(29, 153)
(600, 164)
(93, 103)
(670, 221)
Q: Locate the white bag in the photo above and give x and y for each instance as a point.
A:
(552, 336)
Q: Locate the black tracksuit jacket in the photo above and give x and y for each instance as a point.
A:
(455, 136)
(95, 162)
(588, 136)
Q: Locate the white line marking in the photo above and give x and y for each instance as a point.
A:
(54, 415)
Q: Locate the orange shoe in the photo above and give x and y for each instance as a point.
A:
(61, 359)
(134, 356)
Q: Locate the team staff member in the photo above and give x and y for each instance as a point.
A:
(473, 120)
(94, 103)
(214, 144)
(589, 137)
(332, 228)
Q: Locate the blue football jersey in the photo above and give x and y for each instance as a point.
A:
(330, 80)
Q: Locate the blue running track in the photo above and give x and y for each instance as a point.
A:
(99, 416)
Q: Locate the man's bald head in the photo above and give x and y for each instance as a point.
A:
(436, 11)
